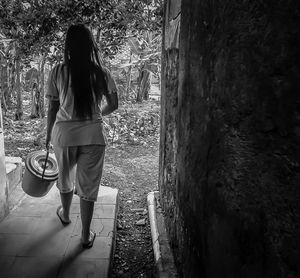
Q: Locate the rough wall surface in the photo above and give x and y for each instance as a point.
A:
(169, 102)
(229, 164)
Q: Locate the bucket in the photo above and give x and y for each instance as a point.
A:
(41, 172)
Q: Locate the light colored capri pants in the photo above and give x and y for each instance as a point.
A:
(81, 166)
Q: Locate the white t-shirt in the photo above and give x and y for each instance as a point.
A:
(68, 130)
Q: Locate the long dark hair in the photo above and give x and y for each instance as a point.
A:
(85, 69)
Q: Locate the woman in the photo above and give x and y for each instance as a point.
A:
(74, 124)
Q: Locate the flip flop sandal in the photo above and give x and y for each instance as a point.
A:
(90, 243)
(60, 218)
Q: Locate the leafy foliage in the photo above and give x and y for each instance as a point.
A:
(147, 52)
(36, 29)
(134, 125)
(38, 26)
(131, 124)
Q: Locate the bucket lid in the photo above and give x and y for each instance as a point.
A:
(35, 162)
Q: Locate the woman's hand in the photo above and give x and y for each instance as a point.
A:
(48, 140)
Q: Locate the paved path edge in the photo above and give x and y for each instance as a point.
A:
(163, 255)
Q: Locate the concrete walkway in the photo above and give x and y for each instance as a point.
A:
(34, 243)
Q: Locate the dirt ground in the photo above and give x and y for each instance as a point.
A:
(134, 171)
(131, 166)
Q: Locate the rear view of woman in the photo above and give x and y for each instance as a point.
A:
(74, 124)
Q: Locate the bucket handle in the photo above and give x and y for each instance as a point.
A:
(47, 154)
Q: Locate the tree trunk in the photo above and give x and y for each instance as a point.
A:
(3, 181)
(41, 86)
(10, 81)
(144, 85)
(35, 103)
(3, 83)
(2, 97)
(98, 35)
(3, 102)
(31, 80)
(19, 111)
(129, 78)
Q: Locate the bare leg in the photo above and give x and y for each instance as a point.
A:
(86, 211)
(66, 200)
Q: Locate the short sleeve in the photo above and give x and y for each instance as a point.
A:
(52, 92)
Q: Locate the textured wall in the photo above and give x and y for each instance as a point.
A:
(229, 174)
(169, 102)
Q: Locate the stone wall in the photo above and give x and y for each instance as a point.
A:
(229, 159)
(169, 101)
